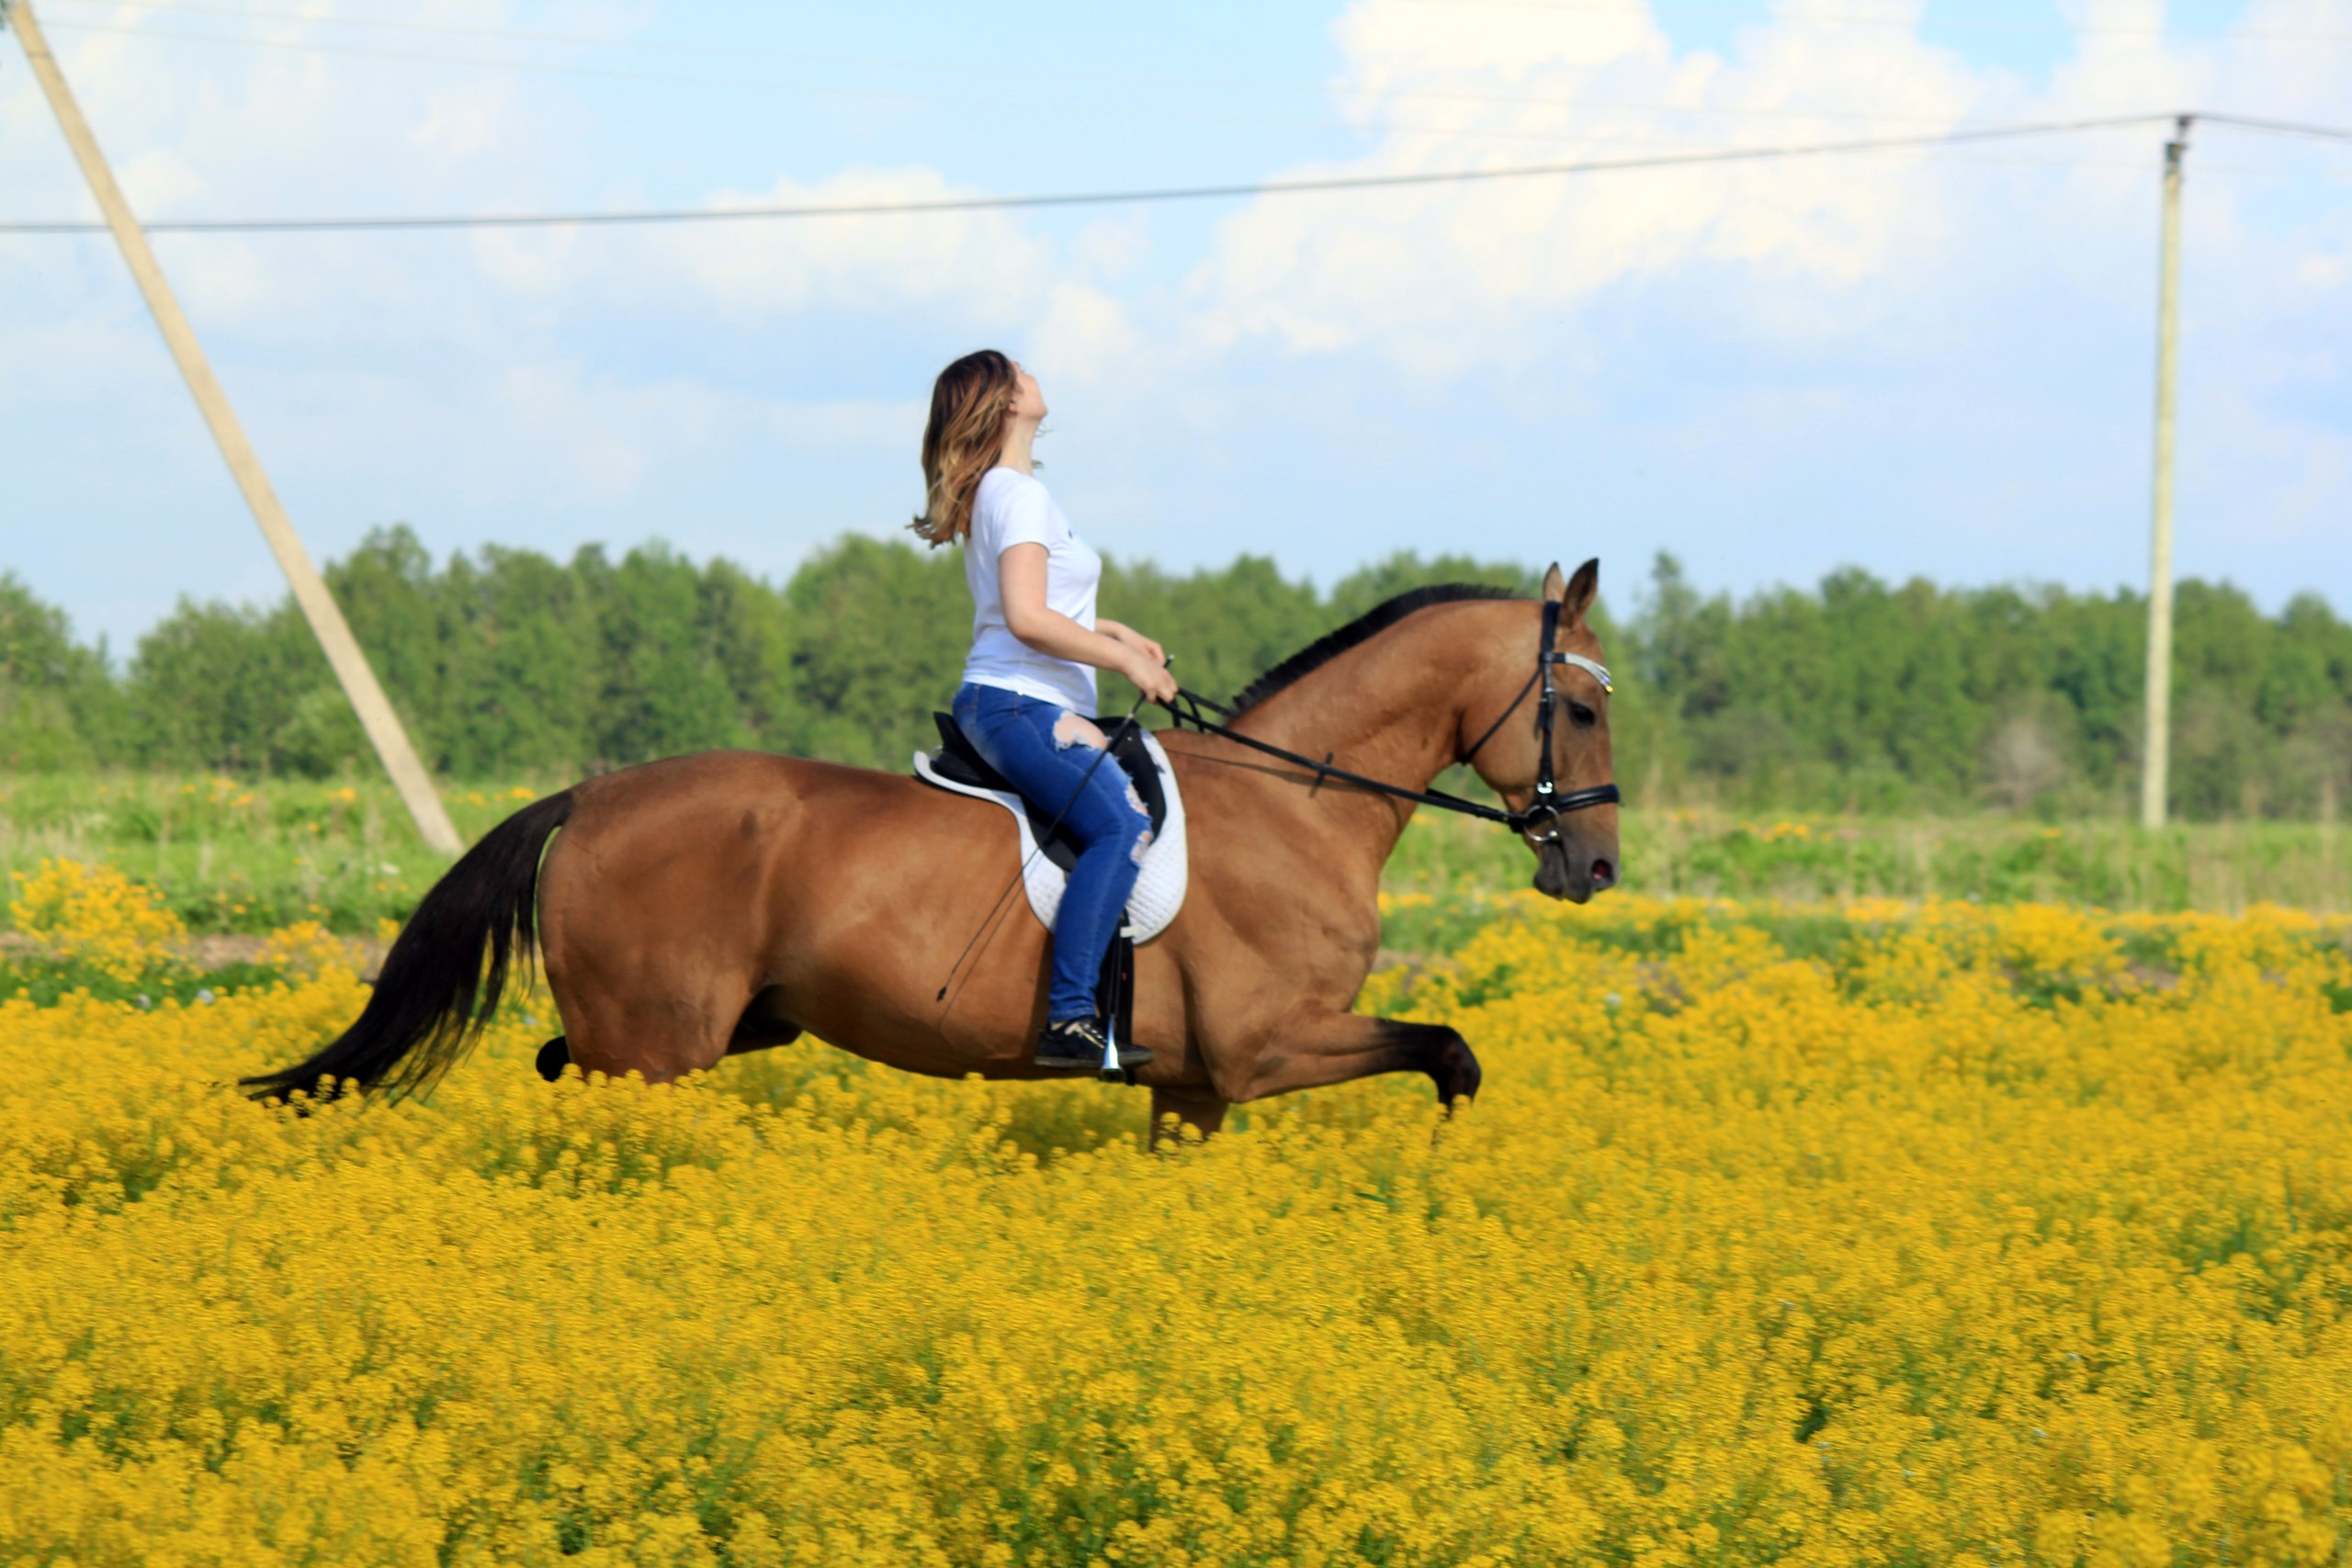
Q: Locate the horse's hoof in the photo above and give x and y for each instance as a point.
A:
(553, 1055)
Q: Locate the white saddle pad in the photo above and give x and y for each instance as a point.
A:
(1160, 888)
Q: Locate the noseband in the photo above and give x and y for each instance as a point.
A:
(1539, 823)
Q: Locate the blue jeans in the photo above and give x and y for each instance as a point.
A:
(1018, 735)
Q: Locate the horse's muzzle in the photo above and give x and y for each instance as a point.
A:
(1574, 872)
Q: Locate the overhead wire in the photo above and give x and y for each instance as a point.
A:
(1681, 159)
(1679, 155)
(2282, 127)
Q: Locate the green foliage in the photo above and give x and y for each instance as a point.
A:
(56, 705)
(244, 856)
(1450, 874)
(1868, 696)
(882, 632)
(44, 981)
(1857, 696)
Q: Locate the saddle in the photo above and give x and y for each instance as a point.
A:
(957, 767)
(959, 761)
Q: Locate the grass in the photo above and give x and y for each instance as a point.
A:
(248, 857)
(242, 856)
(1446, 872)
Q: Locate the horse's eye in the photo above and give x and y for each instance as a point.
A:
(1585, 718)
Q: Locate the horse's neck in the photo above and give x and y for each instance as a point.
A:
(1390, 709)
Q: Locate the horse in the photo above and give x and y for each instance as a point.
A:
(728, 901)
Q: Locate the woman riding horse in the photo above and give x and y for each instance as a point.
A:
(1029, 682)
(728, 901)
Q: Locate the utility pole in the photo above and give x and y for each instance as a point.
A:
(2156, 768)
(343, 656)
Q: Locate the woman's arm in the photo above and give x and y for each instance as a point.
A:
(1119, 631)
(1021, 579)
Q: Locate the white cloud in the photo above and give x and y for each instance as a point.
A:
(981, 264)
(1443, 278)
(1354, 356)
(1085, 334)
(825, 426)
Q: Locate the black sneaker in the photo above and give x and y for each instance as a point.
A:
(1076, 1044)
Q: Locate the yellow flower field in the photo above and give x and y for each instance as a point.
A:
(1871, 1235)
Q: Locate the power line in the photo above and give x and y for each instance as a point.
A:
(1108, 197)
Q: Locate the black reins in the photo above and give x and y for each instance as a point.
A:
(1547, 808)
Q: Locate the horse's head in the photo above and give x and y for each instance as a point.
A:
(1576, 850)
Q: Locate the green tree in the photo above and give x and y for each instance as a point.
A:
(523, 685)
(58, 709)
(878, 636)
(212, 686)
(664, 689)
(1853, 694)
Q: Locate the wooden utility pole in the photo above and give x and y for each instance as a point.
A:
(343, 656)
(2156, 765)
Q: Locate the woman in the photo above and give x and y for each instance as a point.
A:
(1029, 681)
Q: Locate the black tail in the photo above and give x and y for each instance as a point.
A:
(433, 996)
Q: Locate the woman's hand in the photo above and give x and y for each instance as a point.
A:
(1150, 676)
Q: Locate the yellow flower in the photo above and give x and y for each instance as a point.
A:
(1937, 1233)
(308, 949)
(94, 916)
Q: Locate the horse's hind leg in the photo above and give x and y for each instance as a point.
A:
(660, 1033)
(762, 1025)
(1200, 1108)
(1337, 1048)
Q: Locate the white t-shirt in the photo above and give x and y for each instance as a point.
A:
(1013, 509)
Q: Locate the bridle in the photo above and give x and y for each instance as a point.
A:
(1548, 805)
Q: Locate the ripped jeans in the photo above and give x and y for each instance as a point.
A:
(1025, 739)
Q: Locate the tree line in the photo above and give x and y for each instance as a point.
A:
(1855, 693)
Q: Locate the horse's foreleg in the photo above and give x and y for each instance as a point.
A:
(1201, 1109)
(1339, 1047)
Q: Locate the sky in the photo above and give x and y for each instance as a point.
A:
(1933, 362)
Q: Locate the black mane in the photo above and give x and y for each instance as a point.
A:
(1365, 627)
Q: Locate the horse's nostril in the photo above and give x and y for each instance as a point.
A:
(1603, 874)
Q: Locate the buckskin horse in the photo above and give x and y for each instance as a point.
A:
(728, 901)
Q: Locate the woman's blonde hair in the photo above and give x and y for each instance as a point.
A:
(962, 441)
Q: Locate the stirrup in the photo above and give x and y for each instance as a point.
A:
(1077, 1045)
(1122, 1058)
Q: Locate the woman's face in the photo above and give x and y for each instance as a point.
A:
(1028, 403)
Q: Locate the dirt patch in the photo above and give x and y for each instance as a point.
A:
(217, 950)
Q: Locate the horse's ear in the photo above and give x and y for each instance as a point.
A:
(1576, 597)
(1553, 584)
